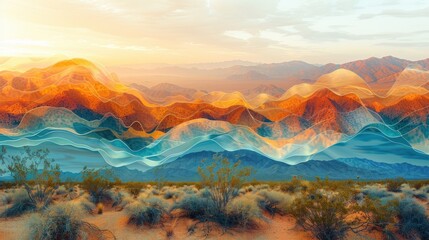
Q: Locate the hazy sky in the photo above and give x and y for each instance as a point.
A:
(188, 31)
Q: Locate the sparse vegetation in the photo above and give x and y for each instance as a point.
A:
(63, 221)
(223, 200)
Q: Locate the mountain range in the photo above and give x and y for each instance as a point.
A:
(375, 71)
(264, 169)
(76, 105)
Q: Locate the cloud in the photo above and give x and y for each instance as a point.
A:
(197, 31)
(400, 13)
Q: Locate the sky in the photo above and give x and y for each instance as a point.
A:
(117, 32)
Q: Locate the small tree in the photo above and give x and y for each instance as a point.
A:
(97, 182)
(36, 166)
(223, 180)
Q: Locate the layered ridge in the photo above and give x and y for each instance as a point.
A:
(78, 104)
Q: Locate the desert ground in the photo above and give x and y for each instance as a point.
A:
(256, 221)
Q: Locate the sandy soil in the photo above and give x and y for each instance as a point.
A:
(279, 227)
(13, 228)
(276, 228)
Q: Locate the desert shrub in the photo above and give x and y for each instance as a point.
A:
(169, 194)
(424, 189)
(295, 185)
(6, 198)
(204, 193)
(61, 190)
(249, 188)
(21, 203)
(420, 195)
(407, 190)
(155, 192)
(189, 189)
(97, 182)
(275, 202)
(121, 199)
(381, 214)
(326, 216)
(261, 187)
(419, 183)
(375, 192)
(359, 197)
(394, 185)
(413, 222)
(134, 188)
(242, 211)
(74, 192)
(100, 208)
(63, 221)
(148, 212)
(86, 205)
(223, 180)
(194, 206)
(330, 185)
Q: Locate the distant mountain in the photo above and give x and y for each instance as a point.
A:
(269, 89)
(215, 65)
(164, 90)
(186, 169)
(391, 170)
(249, 76)
(374, 71)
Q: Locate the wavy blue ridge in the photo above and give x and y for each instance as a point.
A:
(60, 127)
(192, 136)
